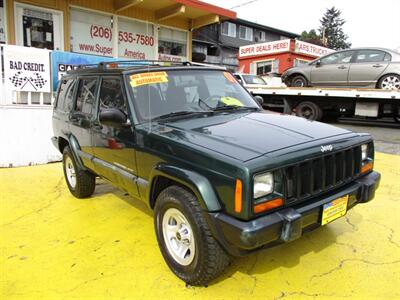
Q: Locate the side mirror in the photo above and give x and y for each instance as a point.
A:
(318, 63)
(259, 99)
(112, 117)
(239, 80)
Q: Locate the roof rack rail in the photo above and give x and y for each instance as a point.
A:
(113, 64)
(87, 66)
(140, 63)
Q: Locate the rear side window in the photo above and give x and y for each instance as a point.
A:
(367, 56)
(65, 95)
(86, 95)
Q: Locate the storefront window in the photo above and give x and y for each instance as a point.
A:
(172, 43)
(265, 67)
(2, 23)
(91, 33)
(136, 39)
(38, 29)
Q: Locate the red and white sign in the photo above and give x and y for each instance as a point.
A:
(136, 40)
(265, 48)
(311, 49)
(91, 33)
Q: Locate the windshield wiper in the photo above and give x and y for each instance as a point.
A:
(178, 114)
(234, 107)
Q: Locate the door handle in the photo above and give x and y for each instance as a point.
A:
(377, 66)
(342, 67)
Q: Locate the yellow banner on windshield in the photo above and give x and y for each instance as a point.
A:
(148, 78)
(231, 101)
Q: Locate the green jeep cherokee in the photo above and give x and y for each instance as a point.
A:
(224, 177)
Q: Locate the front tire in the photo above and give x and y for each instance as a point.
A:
(81, 183)
(389, 82)
(299, 81)
(185, 239)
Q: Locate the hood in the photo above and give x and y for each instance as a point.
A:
(245, 136)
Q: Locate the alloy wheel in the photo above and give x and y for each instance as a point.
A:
(178, 236)
(391, 82)
(70, 172)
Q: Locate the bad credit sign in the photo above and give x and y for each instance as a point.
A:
(26, 69)
(265, 48)
(311, 49)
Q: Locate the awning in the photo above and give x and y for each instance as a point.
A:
(198, 13)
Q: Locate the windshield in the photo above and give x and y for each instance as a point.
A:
(162, 93)
(253, 79)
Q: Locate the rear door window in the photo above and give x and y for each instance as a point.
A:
(368, 56)
(65, 95)
(86, 96)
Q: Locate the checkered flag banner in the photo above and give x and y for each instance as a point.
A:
(26, 69)
(17, 80)
(20, 81)
(38, 80)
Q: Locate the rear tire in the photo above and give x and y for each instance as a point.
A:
(81, 183)
(185, 239)
(309, 110)
(298, 81)
(389, 82)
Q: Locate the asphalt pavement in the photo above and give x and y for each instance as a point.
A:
(386, 133)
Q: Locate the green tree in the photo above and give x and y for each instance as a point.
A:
(311, 37)
(332, 30)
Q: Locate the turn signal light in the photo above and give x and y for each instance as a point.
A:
(238, 196)
(265, 206)
(367, 167)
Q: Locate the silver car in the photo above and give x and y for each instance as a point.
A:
(361, 67)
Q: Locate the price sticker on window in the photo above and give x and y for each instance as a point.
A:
(148, 78)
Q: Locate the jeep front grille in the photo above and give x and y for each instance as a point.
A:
(315, 176)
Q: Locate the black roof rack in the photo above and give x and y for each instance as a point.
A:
(132, 63)
(138, 63)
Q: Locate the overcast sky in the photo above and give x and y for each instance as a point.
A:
(368, 23)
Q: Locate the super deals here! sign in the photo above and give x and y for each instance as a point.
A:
(27, 69)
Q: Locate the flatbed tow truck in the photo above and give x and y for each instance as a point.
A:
(323, 103)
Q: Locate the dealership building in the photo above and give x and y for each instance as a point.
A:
(42, 39)
(277, 56)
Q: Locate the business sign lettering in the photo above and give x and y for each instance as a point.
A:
(311, 49)
(265, 48)
(26, 69)
(135, 40)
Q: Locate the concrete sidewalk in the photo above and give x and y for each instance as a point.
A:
(53, 246)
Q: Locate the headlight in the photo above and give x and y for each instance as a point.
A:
(263, 185)
(364, 152)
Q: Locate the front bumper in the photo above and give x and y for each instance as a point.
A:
(242, 237)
